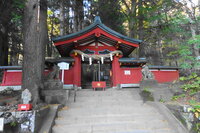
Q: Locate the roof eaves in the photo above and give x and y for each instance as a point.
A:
(97, 23)
(132, 60)
(62, 38)
(164, 67)
(114, 33)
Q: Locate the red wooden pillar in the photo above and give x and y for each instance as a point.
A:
(77, 71)
(115, 71)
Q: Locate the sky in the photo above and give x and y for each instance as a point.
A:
(194, 1)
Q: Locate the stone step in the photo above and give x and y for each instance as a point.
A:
(110, 111)
(112, 107)
(108, 119)
(68, 115)
(107, 93)
(92, 101)
(102, 110)
(120, 131)
(115, 127)
(83, 99)
(95, 100)
(136, 104)
(164, 130)
(140, 131)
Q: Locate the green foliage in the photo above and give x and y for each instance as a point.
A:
(17, 13)
(174, 98)
(192, 83)
(147, 95)
(16, 17)
(19, 4)
(185, 51)
(162, 100)
(196, 110)
(146, 90)
(194, 40)
(13, 124)
(197, 127)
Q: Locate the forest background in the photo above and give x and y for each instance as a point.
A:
(169, 28)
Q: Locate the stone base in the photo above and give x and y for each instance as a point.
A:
(27, 121)
(53, 85)
(148, 83)
(55, 96)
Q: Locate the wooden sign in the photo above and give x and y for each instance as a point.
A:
(127, 72)
(63, 65)
(1, 124)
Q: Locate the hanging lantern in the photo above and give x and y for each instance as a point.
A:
(90, 61)
(82, 56)
(102, 60)
(111, 57)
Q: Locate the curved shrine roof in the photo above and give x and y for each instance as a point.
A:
(95, 32)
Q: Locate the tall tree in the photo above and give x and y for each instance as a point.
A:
(193, 23)
(110, 13)
(140, 27)
(34, 42)
(15, 32)
(78, 15)
(130, 13)
(5, 17)
(62, 18)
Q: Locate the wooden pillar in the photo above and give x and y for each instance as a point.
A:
(115, 71)
(77, 71)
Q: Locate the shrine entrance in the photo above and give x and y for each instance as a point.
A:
(95, 55)
(101, 57)
(95, 72)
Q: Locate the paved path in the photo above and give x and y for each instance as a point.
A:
(110, 111)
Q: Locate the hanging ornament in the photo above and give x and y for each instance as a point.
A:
(82, 56)
(111, 57)
(102, 60)
(90, 61)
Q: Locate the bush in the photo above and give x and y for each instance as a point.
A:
(191, 83)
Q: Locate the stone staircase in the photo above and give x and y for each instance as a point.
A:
(110, 111)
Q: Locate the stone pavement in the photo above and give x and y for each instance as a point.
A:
(110, 111)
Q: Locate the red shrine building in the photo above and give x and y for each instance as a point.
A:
(98, 53)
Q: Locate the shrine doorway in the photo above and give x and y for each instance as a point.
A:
(95, 72)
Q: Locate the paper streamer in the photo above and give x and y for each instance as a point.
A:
(82, 56)
(111, 57)
(90, 61)
(102, 60)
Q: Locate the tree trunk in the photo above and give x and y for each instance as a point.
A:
(195, 45)
(132, 15)
(49, 46)
(5, 17)
(62, 18)
(4, 48)
(14, 54)
(140, 29)
(34, 43)
(78, 15)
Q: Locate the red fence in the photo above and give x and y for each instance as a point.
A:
(12, 78)
(164, 76)
(120, 76)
